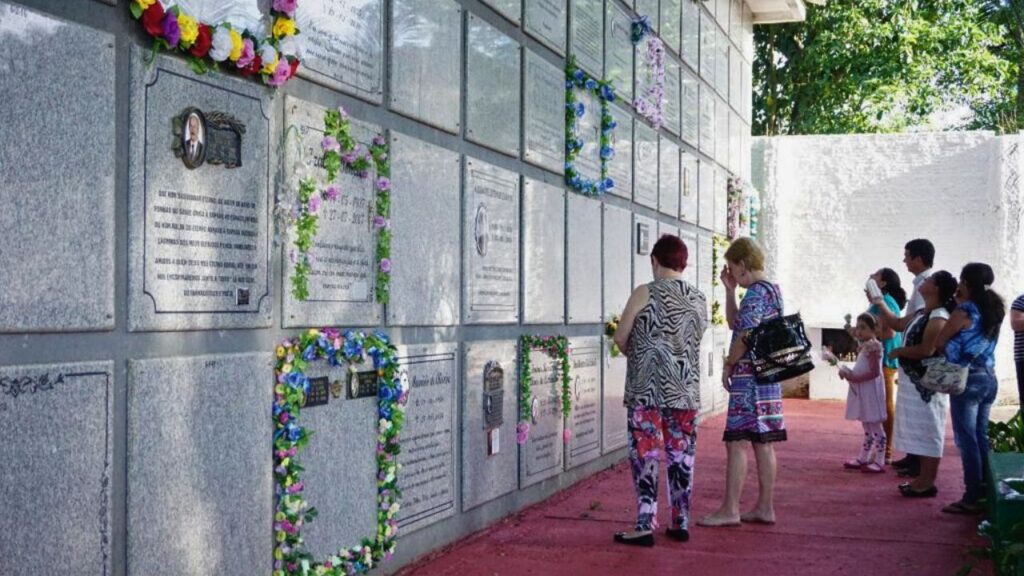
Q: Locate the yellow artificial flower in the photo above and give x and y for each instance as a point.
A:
(284, 26)
(313, 331)
(280, 352)
(145, 3)
(189, 29)
(286, 369)
(236, 46)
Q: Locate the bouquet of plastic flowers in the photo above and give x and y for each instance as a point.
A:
(609, 330)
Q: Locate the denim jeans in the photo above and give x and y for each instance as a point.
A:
(970, 428)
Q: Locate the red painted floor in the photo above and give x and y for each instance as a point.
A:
(830, 521)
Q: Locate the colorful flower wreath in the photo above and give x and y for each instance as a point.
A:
(212, 46)
(557, 347)
(651, 104)
(291, 510)
(341, 151)
(719, 246)
(576, 78)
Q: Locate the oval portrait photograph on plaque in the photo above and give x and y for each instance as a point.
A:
(480, 230)
(193, 138)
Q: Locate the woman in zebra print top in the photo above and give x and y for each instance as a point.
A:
(660, 331)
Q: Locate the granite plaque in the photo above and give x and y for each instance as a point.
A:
(613, 416)
(707, 120)
(200, 468)
(650, 9)
(425, 197)
(689, 107)
(584, 255)
(426, 66)
(748, 33)
(199, 246)
(45, 287)
(491, 245)
(673, 79)
(588, 129)
(690, 273)
(618, 50)
(585, 418)
(543, 253)
(722, 65)
(690, 26)
(645, 166)
(343, 45)
(645, 232)
(510, 9)
(55, 484)
(620, 167)
(542, 455)
(708, 47)
(492, 88)
(544, 114)
(706, 271)
(735, 80)
(488, 474)
(668, 178)
(721, 12)
(706, 198)
(617, 260)
(427, 477)
(344, 261)
(545, 21)
(721, 202)
(688, 172)
(586, 35)
(671, 18)
(736, 21)
(736, 128)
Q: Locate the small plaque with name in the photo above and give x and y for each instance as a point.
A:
(319, 392)
(362, 384)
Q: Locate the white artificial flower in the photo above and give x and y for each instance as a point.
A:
(268, 54)
(291, 46)
(222, 44)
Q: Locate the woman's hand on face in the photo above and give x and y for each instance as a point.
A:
(726, 277)
(726, 376)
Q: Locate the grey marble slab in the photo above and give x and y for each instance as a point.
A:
(707, 120)
(56, 482)
(545, 20)
(617, 259)
(721, 132)
(544, 114)
(722, 64)
(736, 21)
(543, 454)
(689, 108)
(645, 166)
(688, 176)
(671, 19)
(46, 287)
(585, 418)
(588, 129)
(706, 195)
(344, 264)
(673, 96)
(721, 11)
(426, 65)
(690, 26)
(735, 79)
(736, 128)
(199, 465)
(427, 476)
(721, 201)
(543, 253)
(490, 245)
(748, 33)
(645, 234)
(510, 9)
(425, 198)
(691, 272)
(668, 178)
(584, 260)
(492, 88)
(343, 45)
(488, 474)
(708, 47)
(710, 381)
(613, 414)
(618, 49)
(706, 271)
(620, 167)
(586, 35)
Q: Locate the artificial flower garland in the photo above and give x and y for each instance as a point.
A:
(719, 246)
(576, 78)
(219, 46)
(341, 151)
(610, 328)
(291, 510)
(651, 104)
(556, 347)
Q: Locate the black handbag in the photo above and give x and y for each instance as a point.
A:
(779, 347)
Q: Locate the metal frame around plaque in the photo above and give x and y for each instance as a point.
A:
(494, 395)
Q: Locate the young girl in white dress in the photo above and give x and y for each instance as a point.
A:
(866, 399)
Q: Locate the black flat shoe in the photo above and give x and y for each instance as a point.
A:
(678, 534)
(646, 540)
(908, 473)
(909, 492)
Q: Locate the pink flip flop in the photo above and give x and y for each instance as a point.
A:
(853, 464)
(872, 468)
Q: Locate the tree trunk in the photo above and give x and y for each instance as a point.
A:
(1019, 109)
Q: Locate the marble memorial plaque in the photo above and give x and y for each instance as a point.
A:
(617, 259)
(708, 47)
(545, 20)
(690, 273)
(721, 11)
(586, 35)
(613, 415)
(645, 165)
(543, 253)
(200, 467)
(425, 197)
(710, 381)
(735, 80)
(748, 33)
(668, 178)
(618, 50)
(510, 9)
(706, 272)
(48, 286)
(620, 167)
(343, 45)
(688, 205)
(199, 242)
(544, 114)
(55, 485)
(645, 234)
(707, 120)
(491, 245)
(746, 91)
(426, 65)
(650, 9)
(736, 21)
(673, 114)
(689, 108)
(721, 132)
(736, 128)
(671, 18)
(542, 455)
(492, 88)
(241, 14)
(344, 263)
(489, 468)
(705, 197)
(588, 129)
(721, 202)
(427, 477)
(722, 64)
(584, 256)
(690, 26)
(585, 418)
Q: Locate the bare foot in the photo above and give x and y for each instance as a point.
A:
(719, 520)
(758, 517)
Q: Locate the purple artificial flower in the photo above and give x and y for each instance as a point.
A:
(383, 183)
(314, 204)
(330, 144)
(171, 31)
(566, 436)
(522, 432)
(281, 74)
(378, 140)
(332, 192)
(380, 222)
(385, 265)
(364, 174)
(248, 53)
(343, 112)
(286, 6)
(349, 157)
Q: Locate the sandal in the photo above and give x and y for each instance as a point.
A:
(872, 468)
(961, 507)
(646, 540)
(853, 464)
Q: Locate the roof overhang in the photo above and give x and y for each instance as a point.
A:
(778, 11)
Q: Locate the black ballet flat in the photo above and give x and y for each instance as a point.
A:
(647, 540)
(909, 492)
(678, 534)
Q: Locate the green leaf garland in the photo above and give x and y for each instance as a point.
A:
(556, 347)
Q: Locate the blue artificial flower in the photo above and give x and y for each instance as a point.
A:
(579, 144)
(297, 380)
(352, 348)
(608, 93)
(579, 75)
(384, 412)
(309, 353)
(609, 183)
(568, 84)
(568, 166)
(576, 181)
(612, 125)
(277, 409)
(322, 341)
(294, 432)
(386, 393)
(591, 84)
(607, 152)
(381, 336)
(580, 109)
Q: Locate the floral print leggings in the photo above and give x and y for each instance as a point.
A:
(648, 429)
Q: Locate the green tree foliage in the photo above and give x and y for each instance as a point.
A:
(879, 66)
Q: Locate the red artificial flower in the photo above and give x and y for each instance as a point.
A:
(253, 67)
(153, 20)
(203, 42)
(294, 63)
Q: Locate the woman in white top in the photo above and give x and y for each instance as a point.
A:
(921, 413)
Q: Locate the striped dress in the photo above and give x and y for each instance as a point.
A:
(663, 352)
